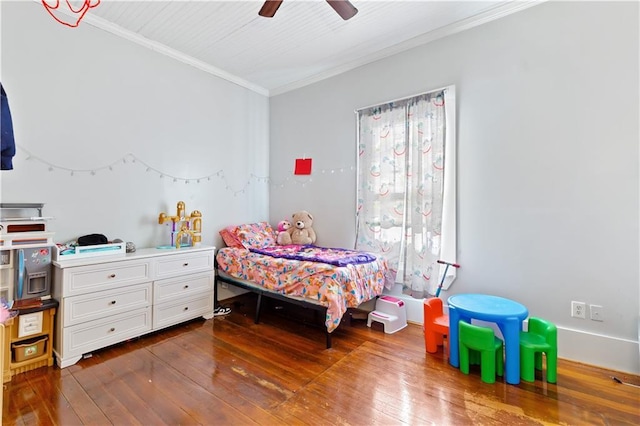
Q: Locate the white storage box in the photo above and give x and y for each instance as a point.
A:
(90, 251)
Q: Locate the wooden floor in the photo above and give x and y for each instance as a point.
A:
(231, 371)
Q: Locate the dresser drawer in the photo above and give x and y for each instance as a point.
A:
(87, 279)
(176, 288)
(167, 314)
(87, 307)
(177, 265)
(82, 338)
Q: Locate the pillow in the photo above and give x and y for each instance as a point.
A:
(256, 235)
(253, 235)
(229, 237)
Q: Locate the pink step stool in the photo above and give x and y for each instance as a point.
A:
(391, 312)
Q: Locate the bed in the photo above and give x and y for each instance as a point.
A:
(324, 279)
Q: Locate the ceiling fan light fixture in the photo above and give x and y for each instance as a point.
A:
(344, 8)
(269, 8)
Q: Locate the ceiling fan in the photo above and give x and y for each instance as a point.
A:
(344, 8)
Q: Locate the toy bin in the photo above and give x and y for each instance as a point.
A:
(29, 349)
(79, 252)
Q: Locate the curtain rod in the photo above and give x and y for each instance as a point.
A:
(403, 98)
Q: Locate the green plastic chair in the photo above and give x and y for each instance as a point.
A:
(541, 337)
(490, 347)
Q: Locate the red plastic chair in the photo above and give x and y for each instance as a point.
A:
(436, 325)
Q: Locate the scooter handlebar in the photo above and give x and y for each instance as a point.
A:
(455, 265)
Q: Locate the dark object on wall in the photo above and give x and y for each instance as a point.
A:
(8, 143)
(92, 240)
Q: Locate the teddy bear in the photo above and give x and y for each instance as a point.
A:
(284, 238)
(302, 230)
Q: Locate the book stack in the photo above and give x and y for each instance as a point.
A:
(27, 303)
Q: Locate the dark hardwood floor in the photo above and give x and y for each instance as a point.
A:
(231, 371)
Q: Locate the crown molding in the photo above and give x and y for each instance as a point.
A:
(172, 53)
(497, 12)
(117, 30)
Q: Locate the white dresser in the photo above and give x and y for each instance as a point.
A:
(108, 299)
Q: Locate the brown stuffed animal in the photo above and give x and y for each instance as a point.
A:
(302, 230)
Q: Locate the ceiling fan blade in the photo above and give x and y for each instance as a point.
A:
(344, 8)
(269, 8)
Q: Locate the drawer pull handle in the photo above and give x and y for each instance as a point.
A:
(112, 276)
(113, 302)
(185, 264)
(186, 287)
(112, 329)
(186, 308)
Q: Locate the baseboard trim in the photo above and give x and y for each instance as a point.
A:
(595, 349)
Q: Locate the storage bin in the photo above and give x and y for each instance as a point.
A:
(80, 252)
(28, 349)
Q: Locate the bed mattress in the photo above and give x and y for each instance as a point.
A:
(336, 287)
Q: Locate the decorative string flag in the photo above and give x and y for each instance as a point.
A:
(67, 8)
(303, 166)
(219, 175)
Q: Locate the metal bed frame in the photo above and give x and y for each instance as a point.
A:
(270, 294)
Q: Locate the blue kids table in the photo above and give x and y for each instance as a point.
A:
(507, 314)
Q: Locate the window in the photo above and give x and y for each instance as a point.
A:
(406, 187)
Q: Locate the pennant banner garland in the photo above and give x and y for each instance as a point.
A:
(131, 159)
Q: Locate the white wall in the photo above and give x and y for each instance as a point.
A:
(82, 98)
(548, 162)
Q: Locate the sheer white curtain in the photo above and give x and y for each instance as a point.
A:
(404, 183)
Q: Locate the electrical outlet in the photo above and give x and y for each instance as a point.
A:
(224, 285)
(596, 312)
(578, 309)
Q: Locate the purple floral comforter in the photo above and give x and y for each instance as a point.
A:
(332, 256)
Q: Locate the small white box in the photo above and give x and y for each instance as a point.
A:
(29, 324)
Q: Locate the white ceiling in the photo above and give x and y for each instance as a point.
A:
(304, 42)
